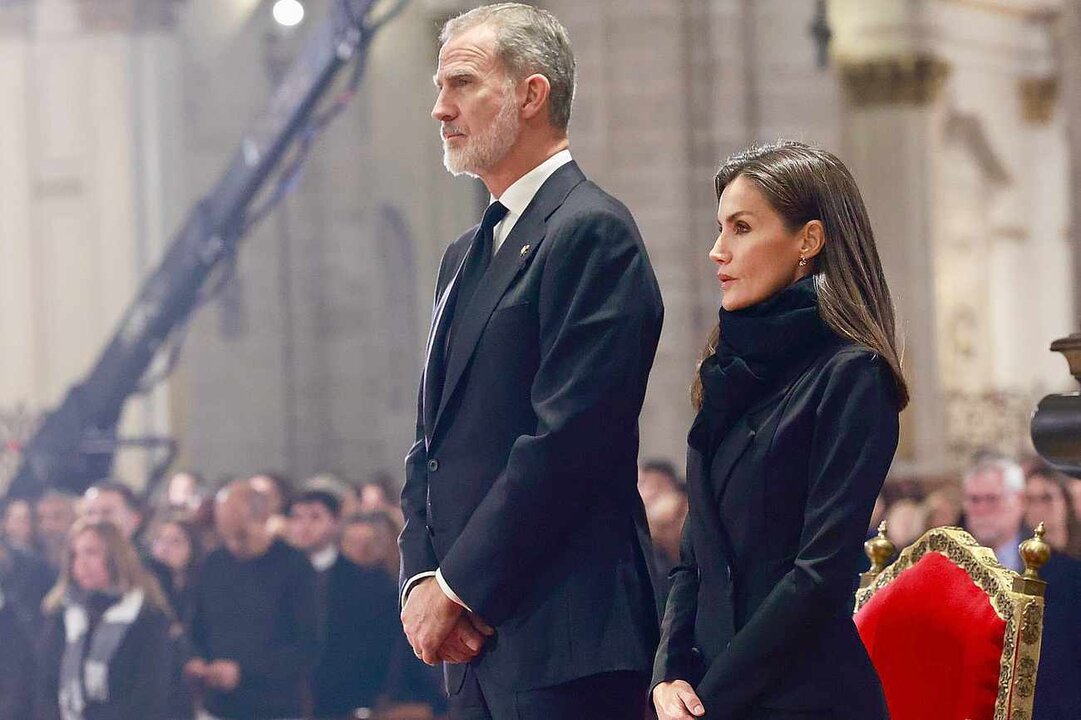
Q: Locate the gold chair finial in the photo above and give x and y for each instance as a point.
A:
(878, 550)
(1035, 552)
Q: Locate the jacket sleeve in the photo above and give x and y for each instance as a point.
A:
(599, 317)
(854, 440)
(675, 659)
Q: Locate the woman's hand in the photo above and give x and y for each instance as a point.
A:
(677, 700)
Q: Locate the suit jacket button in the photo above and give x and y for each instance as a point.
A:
(433, 465)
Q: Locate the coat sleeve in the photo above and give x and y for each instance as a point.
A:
(599, 317)
(854, 440)
(675, 658)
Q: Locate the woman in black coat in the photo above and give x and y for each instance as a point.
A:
(798, 399)
(106, 652)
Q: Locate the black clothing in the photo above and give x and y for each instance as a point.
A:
(138, 673)
(261, 614)
(1058, 692)
(521, 486)
(16, 666)
(360, 607)
(26, 580)
(607, 696)
(759, 615)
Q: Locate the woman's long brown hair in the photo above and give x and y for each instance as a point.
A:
(125, 569)
(802, 184)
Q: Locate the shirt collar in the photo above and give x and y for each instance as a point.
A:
(517, 197)
(323, 559)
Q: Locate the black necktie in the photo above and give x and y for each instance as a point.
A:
(478, 257)
(475, 265)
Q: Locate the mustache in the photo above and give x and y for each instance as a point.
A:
(451, 129)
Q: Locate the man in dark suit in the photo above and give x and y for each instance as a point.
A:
(520, 499)
(356, 610)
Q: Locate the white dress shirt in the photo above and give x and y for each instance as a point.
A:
(516, 199)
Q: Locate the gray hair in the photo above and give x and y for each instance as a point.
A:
(529, 40)
(1013, 476)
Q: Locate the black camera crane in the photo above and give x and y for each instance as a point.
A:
(75, 443)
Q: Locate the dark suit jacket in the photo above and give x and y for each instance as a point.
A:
(1058, 692)
(759, 614)
(521, 485)
(360, 608)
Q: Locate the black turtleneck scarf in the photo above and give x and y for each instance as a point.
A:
(759, 348)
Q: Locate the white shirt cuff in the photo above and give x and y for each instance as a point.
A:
(447, 591)
(411, 582)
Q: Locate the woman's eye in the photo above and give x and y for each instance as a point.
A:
(742, 228)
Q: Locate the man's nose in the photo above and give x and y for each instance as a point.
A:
(442, 110)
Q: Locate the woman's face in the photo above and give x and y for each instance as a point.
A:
(756, 254)
(89, 562)
(171, 547)
(18, 523)
(1045, 502)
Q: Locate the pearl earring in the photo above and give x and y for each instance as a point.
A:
(802, 261)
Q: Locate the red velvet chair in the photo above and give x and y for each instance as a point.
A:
(953, 634)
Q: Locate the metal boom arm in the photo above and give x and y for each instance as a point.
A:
(74, 445)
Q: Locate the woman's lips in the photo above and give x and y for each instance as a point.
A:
(726, 280)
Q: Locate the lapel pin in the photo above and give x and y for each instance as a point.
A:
(524, 251)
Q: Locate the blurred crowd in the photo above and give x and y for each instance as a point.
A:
(255, 598)
(258, 597)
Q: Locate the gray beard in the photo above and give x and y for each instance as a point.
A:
(482, 151)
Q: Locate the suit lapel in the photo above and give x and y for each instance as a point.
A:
(511, 259)
(435, 337)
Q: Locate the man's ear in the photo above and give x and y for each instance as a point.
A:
(537, 89)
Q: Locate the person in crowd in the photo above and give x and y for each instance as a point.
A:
(174, 542)
(1074, 486)
(519, 499)
(106, 652)
(798, 398)
(371, 540)
(665, 514)
(994, 492)
(185, 492)
(16, 665)
(656, 477)
(1047, 500)
(346, 492)
(25, 579)
(254, 615)
(944, 506)
(906, 520)
(56, 512)
(279, 490)
(117, 503)
(17, 526)
(993, 500)
(357, 611)
(379, 495)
